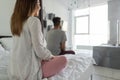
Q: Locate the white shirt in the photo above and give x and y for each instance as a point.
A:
(28, 52)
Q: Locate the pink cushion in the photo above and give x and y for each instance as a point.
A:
(53, 66)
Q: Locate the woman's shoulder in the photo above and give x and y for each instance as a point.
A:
(31, 19)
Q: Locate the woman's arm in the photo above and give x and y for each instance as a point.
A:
(38, 40)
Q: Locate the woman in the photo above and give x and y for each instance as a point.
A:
(30, 59)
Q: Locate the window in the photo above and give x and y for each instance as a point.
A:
(82, 25)
(95, 22)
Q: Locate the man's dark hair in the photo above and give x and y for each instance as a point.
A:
(56, 21)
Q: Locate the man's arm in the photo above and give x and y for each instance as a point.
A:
(62, 46)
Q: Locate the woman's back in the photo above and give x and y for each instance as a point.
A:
(24, 61)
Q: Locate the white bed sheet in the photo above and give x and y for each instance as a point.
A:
(3, 73)
(4, 55)
(76, 66)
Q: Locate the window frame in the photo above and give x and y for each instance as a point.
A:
(88, 31)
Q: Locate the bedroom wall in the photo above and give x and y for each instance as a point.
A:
(56, 7)
(113, 16)
(6, 9)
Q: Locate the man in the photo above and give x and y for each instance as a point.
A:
(56, 39)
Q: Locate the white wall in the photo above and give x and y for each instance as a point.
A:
(6, 9)
(54, 6)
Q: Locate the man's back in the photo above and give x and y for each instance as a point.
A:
(54, 38)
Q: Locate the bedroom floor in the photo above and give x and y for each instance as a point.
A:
(103, 73)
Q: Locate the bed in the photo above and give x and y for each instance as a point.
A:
(79, 66)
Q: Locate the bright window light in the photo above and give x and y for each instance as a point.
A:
(98, 26)
(64, 26)
(82, 25)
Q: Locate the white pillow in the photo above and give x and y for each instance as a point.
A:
(4, 57)
(1, 48)
(6, 43)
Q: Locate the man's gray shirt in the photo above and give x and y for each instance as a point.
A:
(54, 38)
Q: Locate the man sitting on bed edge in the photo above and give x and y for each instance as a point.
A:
(56, 39)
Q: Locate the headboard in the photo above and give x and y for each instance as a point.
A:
(5, 36)
(6, 41)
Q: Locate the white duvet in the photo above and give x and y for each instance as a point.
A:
(4, 55)
(76, 65)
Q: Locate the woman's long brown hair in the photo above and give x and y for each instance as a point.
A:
(20, 15)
